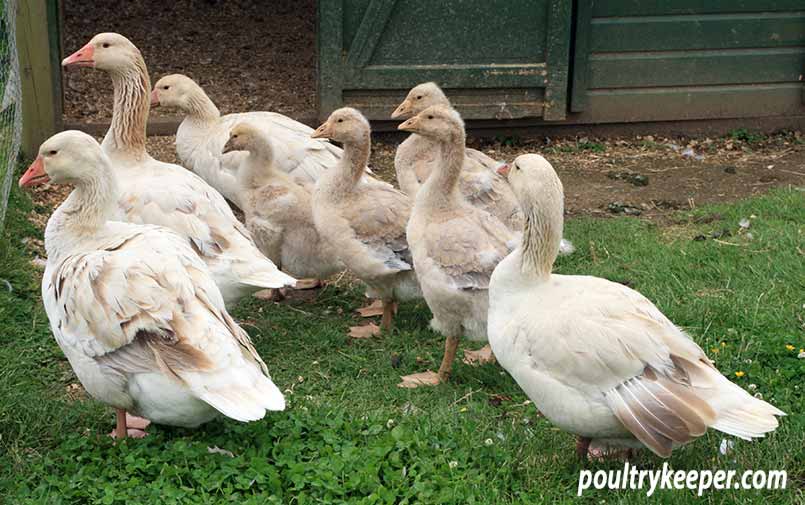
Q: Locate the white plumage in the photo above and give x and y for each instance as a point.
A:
(153, 192)
(203, 133)
(597, 358)
(136, 311)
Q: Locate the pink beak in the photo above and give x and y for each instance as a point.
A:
(154, 98)
(81, 58)
(503, 169)
(35, 175)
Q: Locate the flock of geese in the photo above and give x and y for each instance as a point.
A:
(144, 257)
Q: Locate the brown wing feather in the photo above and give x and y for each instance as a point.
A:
(659, 412)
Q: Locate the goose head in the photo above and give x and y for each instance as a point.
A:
(420, 98)
(106, 51)
(175, 90)
(533, 180)
(439, 122)
(246, 137)
(345, 125)
(69, 157)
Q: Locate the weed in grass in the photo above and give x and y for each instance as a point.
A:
(350, 436)
(744, 135)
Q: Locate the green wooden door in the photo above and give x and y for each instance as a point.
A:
(497, 59)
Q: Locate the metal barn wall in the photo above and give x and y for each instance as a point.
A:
(502, 59)
(660, 60)
(631, 60)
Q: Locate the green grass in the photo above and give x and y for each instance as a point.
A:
(349, 435)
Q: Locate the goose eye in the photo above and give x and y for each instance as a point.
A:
(430, 117)
(52, 152)
(340, 120)
(235, 136)
(419, 97)
(106, 44)
(166, 87)
(516, 167)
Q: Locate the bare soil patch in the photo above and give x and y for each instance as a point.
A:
(247, 55)
(647, 177)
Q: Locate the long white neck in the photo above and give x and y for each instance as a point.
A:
(353, 163)
(542, 232)
(91, 204)
(200, 109)
(440, 191)
(126, 135)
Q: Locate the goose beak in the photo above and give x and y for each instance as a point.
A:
(84, 57)
(35, 175)
(503, 169)
(228, 147)
(402, 109)
(322, 132)
(410, 125)
(154, 98)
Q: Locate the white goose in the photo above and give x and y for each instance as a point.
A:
(134, 308)
(418, 155)
(203, 133)
(362, 219)
(597, 358)
(160, 193)
(455, 246)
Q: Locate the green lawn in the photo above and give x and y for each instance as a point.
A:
(350, 435)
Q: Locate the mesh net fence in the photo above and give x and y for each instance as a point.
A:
(10, 101)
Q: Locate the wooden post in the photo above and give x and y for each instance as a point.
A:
(38, 45)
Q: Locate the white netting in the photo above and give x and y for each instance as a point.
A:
(10, 101)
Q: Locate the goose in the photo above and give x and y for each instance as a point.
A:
(455, 246)
(277, 209)
(135, 310)
(364, 219)
(479, 181)
(204, 131)
(597, 358)
(419, 98)
(164, 194)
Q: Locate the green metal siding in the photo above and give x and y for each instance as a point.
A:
(496, 59)
(681, 59)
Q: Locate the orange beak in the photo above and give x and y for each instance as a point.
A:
(409, 125)
(503, 169)
(322, 132)
(84, 57)
(35, 175)
(154, 98)
(401, 109)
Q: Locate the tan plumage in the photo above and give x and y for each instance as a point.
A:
(597, 358)
(361, 218)
(417, 156)
(455, 246)
(278, 211)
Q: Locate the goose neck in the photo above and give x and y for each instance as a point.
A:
(90, 205)
(127, 132)
(440, 190)
(542, 235)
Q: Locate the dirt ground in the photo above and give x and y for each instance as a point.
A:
(644, 176)
(247, 55)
